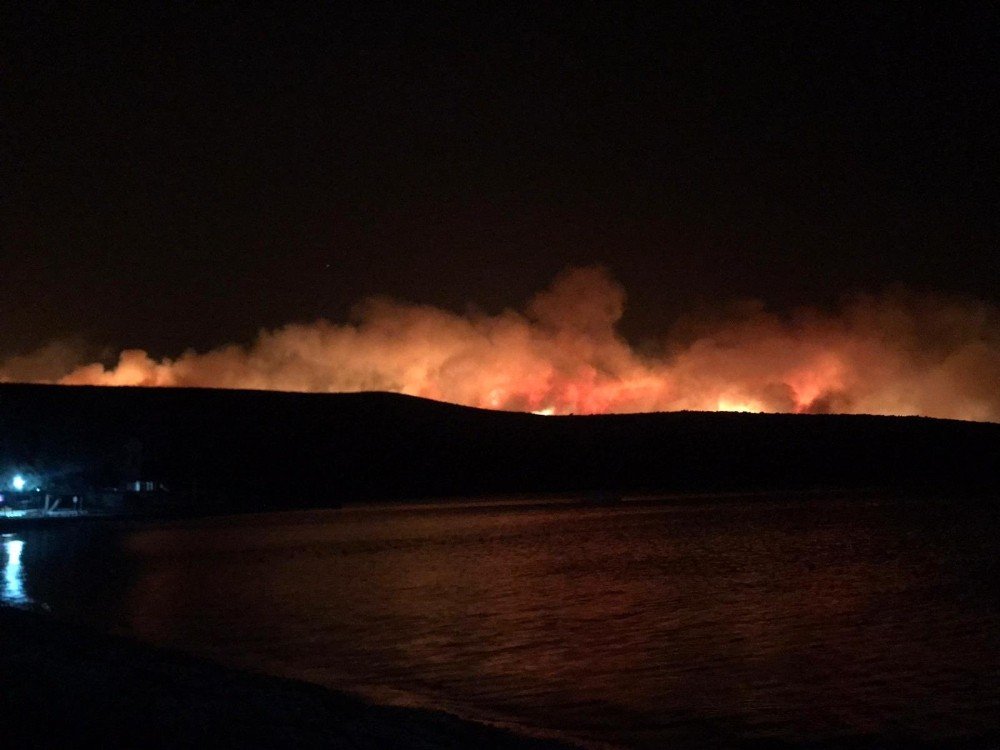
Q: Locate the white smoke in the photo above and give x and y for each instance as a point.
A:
(894, 353)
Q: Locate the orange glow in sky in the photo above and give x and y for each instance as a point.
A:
(890, 354)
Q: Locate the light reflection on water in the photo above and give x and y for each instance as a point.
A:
(13, 573)
(644, 626)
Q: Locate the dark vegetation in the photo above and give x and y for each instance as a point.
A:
(249, 449)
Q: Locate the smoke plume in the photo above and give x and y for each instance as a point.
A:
(894, 353)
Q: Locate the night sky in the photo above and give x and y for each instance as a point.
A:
(177, 176)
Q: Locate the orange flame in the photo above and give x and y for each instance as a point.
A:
(893, 354)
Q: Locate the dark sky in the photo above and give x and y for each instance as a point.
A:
(177, 176)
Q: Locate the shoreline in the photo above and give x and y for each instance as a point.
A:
(10, 524)
(64, 682)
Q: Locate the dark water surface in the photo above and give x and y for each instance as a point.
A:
(640, 625)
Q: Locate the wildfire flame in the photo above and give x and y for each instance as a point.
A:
(888, 354)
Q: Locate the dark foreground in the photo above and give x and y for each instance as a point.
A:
(64, 684)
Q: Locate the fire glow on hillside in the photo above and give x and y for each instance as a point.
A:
(888, 354)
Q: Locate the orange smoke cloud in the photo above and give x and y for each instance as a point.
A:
(889, 354)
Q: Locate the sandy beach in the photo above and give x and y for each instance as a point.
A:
(60, 683)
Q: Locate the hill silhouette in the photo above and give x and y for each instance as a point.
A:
(257, 449)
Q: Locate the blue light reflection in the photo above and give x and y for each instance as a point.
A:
(13, 575)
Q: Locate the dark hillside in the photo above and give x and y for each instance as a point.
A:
(253, 449)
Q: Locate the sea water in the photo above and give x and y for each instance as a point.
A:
(674, 623)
